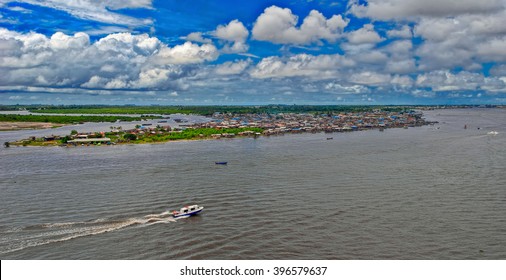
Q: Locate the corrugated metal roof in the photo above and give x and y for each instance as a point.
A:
(89, 140)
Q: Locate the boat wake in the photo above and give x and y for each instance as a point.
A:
(19, 238)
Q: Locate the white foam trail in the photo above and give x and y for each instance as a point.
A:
(59, 232)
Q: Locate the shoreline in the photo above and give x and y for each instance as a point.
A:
(59, 145)
(227, 125)
(13, 126)
(20, 143)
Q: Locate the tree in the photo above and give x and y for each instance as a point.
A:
(130, 136)
(7, 144)
(73, 132)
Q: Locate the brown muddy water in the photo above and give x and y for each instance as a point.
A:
(432, 192)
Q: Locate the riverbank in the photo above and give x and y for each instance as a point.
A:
(235, 125)
(10, 126)
(63, 119)
(139, 135)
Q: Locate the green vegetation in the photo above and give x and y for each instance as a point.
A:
(157, 135)
(130, 136)
(64, 119)
(202, 110)
(65, 139)
(118, 110)
(40, 142)
(188, 134)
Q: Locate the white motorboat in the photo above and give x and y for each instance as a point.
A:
(187, 211)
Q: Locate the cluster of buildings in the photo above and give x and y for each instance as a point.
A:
(296, 122)
(271, 124)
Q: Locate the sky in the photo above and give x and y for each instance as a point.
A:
(203, 52)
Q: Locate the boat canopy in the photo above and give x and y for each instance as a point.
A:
(189, 208)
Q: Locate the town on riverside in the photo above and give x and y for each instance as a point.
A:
(230, 125)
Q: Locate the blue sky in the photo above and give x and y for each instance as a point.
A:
(252, 52)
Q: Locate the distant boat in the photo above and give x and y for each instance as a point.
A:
(492, 132)
(187, 211)
(330, 138)
(221, 162)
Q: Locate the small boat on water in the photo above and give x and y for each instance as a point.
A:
(187, 211)
(492, 133)
(330, 138)
(221, 162)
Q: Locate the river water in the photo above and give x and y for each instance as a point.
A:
(170, 120)
(432, 192)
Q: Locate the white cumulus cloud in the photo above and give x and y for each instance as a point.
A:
(187, 53)
(197, 37)
(303, 65)
(117, 61)
(232, 67)
(370, 78)
(399, 9)
(279, 25)
(234, 32)
(493, 50)
(98, 10)
(404, 32)
(364, 35)
(444, 80)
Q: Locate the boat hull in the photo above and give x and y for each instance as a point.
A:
(193, 213)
